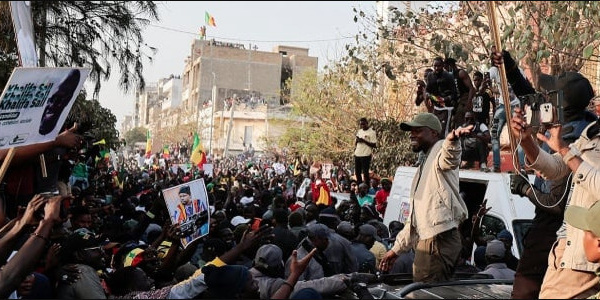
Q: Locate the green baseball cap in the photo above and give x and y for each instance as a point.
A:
(584, 218)
(423, 120)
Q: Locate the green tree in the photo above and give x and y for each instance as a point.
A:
(94, 121)
(561, 35)
(94, 34)
(326, 110)
(135, 135)
(552, 36)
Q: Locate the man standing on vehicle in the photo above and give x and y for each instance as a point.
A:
(366, 141)
(436, 208)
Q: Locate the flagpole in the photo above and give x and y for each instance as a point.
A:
(212, 113)
(503, 82)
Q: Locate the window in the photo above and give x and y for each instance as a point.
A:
(521, 227)
(491, 225)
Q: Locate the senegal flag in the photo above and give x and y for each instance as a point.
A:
(166, 153)
(198, 156)
(148, 144)
(209, 19)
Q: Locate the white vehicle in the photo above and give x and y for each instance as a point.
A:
(513, 212)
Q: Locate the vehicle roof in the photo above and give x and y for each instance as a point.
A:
(460, 289)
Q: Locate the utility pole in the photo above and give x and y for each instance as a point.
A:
(212, 113)
(229, 130)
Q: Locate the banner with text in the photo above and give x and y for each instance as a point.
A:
(35, 103)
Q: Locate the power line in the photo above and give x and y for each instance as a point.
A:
(256, 41)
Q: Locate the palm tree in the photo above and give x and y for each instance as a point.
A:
(94, 34)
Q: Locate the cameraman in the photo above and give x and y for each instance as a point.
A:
(568, 273)
(549, 198)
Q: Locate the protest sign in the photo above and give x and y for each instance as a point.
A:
(35, 103)
(208, 169)
(327, 171)
(187, 204)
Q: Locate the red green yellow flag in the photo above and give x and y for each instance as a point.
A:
(198, 156)
(209, 20)
(166, 152)
(148, 144)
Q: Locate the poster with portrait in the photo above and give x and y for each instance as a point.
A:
(327, 171)
(35, 103)
(187, 204)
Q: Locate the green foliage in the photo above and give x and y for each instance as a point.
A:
(94, 121)
(393, 147)
(135, 135)
(328, 107)
(560, 34)
(95, 34)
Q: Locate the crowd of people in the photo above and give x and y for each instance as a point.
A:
(448, 92)
(78, 225)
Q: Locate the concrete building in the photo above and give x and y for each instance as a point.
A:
(126, 125)
(227, 94)
(244, 84)
(145, 100)
(384, 8)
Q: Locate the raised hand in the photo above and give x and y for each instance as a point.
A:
(251, 237)
(69, 138)
(483, 209)
(460, 132)
(34, 205)
(518, 124)
(52, 260)
(298, 266)
(555, 141)
(52, 209)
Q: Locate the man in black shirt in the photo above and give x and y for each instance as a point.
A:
(441, 91)
(483, 98)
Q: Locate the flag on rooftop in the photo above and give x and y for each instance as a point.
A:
(209, 20)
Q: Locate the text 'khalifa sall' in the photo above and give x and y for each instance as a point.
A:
(25, 96)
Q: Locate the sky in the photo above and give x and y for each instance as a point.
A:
(324, 27)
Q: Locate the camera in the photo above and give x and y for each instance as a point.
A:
(543, 108)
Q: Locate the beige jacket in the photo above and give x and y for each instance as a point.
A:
(585, 191)
(435, 203)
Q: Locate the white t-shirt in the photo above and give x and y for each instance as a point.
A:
(363, 149)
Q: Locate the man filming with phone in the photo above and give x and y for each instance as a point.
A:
(568, 273)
